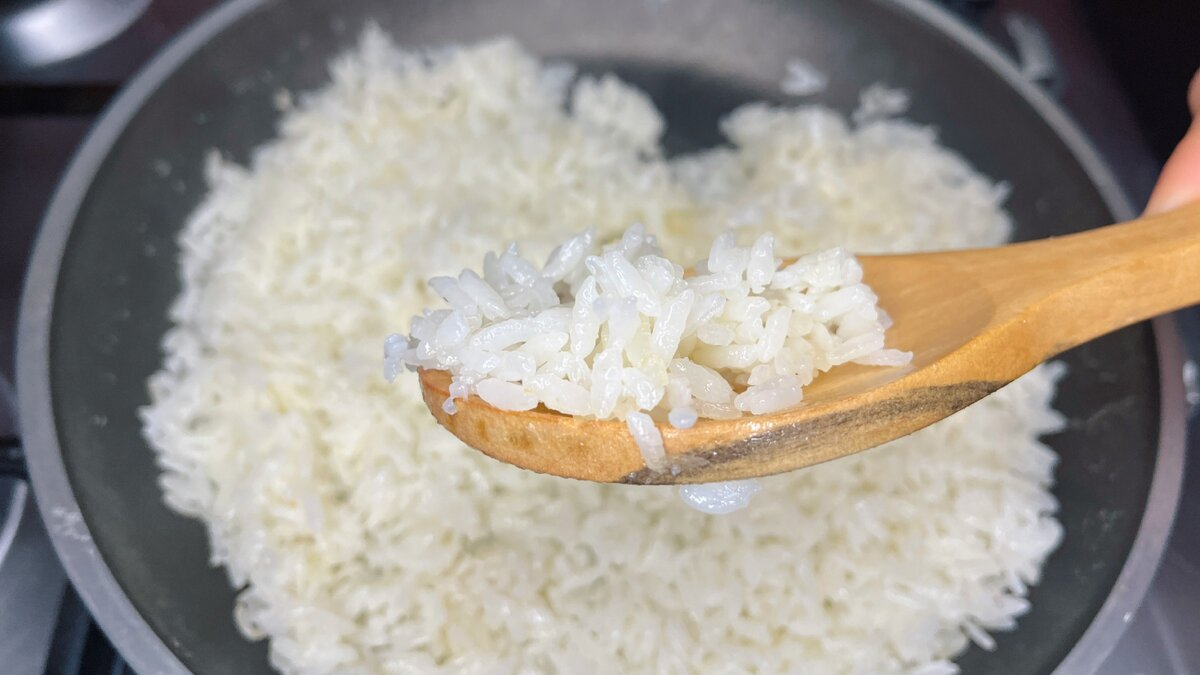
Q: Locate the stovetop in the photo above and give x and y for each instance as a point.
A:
(45, 112)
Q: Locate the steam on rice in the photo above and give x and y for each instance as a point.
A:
(365, 539)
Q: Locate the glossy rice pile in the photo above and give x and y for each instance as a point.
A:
(368, 540)
(618, 331)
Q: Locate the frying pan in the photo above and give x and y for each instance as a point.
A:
(104, 271)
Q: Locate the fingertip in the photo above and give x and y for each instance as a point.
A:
(1194, 94)
(1179, 182)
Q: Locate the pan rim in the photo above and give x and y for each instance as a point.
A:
(148, 653)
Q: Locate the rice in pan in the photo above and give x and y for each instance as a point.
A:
(366, 539)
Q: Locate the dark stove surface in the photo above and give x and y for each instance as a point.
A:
(78, 646)
(44, 114)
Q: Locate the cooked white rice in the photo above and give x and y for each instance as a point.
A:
(368, 540)
(620, 332)
(803, 79)
(720, 498)
(612, 331)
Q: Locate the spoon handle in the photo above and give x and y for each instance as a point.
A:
(1061, 292)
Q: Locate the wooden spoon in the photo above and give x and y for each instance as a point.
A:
(974, 320)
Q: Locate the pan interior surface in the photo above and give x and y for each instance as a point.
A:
(697, 61)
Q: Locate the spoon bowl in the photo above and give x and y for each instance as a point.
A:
(974, 320)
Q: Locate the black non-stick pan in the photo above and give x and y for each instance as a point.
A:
(104, 272)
